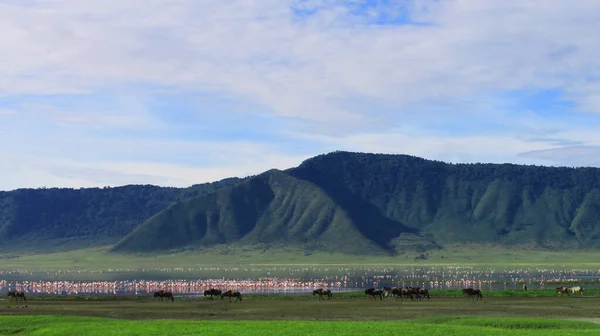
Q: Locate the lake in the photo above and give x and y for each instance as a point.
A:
(291, 280)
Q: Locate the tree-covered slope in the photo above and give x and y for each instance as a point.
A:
(501, 203)
(355, 203)
(271, 208)
(63, 218)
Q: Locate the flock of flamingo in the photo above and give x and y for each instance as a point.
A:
(295, 279)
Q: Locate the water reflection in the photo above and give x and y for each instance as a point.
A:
(288, 279)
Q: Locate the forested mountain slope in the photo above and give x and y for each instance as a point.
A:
(377, 203)
(64, 218)
(355, 203)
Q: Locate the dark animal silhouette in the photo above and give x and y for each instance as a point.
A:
(410, 292)
(423, 293)
(321, 292)
(17, 295)
(374, 293)
(387, 291)
(369, 291)
(212, 292)
(562, 290)
(237, 295)
(397, 292)
(473, 292)
(162, 294)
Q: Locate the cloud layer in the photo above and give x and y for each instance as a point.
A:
(176, 92)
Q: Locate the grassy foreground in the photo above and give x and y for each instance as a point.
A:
(62, 325)
(343, 307)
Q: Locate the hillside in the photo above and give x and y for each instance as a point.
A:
(500, 203)
(377, 203)
(272, 208)
(62, 218)
(353, 203)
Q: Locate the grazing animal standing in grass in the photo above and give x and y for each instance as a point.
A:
(577, 289)
(423, 292)
(17, 295)
(374, 292)
(397, 292)
(525, 288)
(237, 295)
(162, 294)
(369, 292)
(321, 292)
(411, 292)
(212, 292)
(388, 291)
(473, 292)
(562, 290)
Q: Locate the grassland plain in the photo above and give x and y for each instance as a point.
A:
(452, 255)
(499, 313)
(58, 325)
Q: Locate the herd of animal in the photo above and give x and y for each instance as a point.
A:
(398, 292)
(162, 294)
(412, 293)
(569, 290)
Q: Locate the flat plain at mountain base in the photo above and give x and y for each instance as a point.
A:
(301, 316)
(308, 308)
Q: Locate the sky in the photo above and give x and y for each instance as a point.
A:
(178, 92)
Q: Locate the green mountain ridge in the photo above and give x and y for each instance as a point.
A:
(272, 208)
(353, 203)
(55, 219)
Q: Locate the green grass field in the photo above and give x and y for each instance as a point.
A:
(61, 325)
(447, 313)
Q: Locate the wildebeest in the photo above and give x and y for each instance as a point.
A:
(369, 291)
(17, 295)
(422, 293)
(562, 290)
(237, 295)
(472, 292)
(387, 291)
(321, 292)
(525, 288)
(576, 289)
(374, 292)
(162, 294)
(212, 292)
(411, 292)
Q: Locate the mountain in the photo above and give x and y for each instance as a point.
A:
(271, 208)
(62, 218)
(354, 203)
(385, 204)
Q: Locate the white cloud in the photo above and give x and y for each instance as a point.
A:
(219, 160)
(571, 156)
(457, 149)
(348, 83)
(258, 51)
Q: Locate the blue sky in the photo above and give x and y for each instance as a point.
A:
(96, 93)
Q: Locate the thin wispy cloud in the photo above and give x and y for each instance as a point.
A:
(243, 86)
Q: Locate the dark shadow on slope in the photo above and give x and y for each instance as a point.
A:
(369, 221)
(249, 203)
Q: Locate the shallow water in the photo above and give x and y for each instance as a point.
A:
(292, 280)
